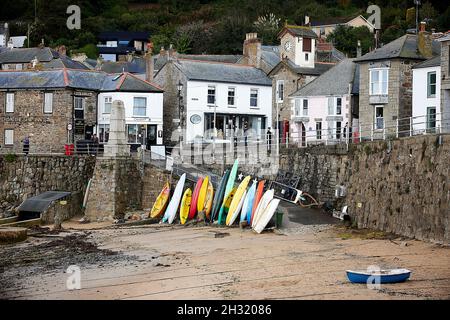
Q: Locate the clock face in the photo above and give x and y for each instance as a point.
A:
(288, 46)
(196, 119)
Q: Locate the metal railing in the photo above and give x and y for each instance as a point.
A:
(378, 130)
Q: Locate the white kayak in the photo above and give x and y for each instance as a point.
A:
(262, 205)
(238, 209)
(266, 215)
(172, 208)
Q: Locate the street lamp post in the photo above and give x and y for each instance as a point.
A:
(180, 114)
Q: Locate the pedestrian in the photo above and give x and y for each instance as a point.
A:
(26, 145)
(269, 140)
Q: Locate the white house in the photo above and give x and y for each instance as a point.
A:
(229, 98)
(326, 109)
(143, 103)
(426, 106)
(324, 28)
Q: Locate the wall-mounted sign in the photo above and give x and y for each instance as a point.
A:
(79, 126)
(196, 119)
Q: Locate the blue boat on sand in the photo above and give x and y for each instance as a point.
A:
(386, 276)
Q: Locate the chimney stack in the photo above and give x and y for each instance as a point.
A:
(252, 49)
(307, 21)
(149, 63)
(6, 39)
(62, 50)
(424, 42)
(42, 44)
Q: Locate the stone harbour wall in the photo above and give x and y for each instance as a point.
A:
(153, 181)
(26, 176)
(400, 186)
(115, 188)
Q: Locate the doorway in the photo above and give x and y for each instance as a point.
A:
(151, 135)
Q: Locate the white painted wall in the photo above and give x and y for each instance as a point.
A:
(300, 59)
(420, 100)
(196, 103)
(154, 114)
(318, 109)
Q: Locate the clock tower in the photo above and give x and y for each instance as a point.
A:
(298, 44)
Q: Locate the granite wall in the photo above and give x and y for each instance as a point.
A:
(400, 186)
(26, 176)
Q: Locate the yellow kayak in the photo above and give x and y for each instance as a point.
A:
(202, 195)
(236, 200)
(185, 205)
(161, 202)
(209, 199)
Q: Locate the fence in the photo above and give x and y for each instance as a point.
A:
(379, 130)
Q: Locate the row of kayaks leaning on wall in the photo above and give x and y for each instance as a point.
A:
(226, 205)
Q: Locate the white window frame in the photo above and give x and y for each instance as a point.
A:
(429, 95)
(106, 128)
(82, 103)
(231, 89)
(9, 142)
(305, 110)
(252, 90)
(107, 100)
(48, 102)
(380, 81)
(10, 101)
(280, 97)
(319, 130)
(211, 87)
(139, 107)
(376, 127)
(340, 110)
(297, 107)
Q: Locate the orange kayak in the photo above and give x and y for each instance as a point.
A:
(161, 202)
(258, 195)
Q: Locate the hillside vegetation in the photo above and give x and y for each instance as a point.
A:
(203, 26)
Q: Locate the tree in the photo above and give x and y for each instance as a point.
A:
(345, 39)
(267, 27)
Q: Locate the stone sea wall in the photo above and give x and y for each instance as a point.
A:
(399, 186)
(26, 176)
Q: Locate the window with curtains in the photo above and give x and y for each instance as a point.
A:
(379, 81)
(140, 107)
(48, 102)
(379, 117)
(9, 102)
(9, 137)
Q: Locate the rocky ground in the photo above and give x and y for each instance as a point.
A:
(299, 261)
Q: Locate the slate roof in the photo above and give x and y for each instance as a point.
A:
(137, 65)
(403, 47)
(25, 55)
(330, 21)
(77, 79)
(270, 55)
(318, 69)
(333, 82)
(299, 31)
(160, 60)
(433, 62)
(222, 72)
(49, 58)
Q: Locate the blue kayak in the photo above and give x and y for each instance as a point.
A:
(386, 276)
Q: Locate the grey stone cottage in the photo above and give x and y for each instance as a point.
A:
(385, 93)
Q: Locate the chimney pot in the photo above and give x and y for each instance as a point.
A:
(423, 25)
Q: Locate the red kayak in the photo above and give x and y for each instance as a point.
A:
(258, 195)
(193, 209)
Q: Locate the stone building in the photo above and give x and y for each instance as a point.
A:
(385, 95)
(298, 65)
(56, 107)
(445, 82)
